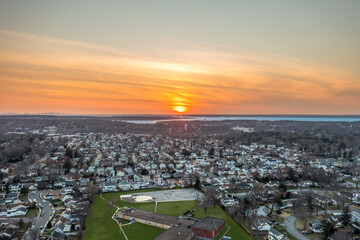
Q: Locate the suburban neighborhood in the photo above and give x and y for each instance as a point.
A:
(271, 191)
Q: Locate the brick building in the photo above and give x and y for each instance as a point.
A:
(208, 228)
(180, 228)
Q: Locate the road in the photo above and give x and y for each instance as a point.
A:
(289, 224)
(46, 213)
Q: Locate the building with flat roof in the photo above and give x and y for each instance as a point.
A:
(180, 228)
(153, 219)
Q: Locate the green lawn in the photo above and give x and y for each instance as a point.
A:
(99, 224)
(32, 213)
(23, 197)
(175, 208)
(236, 232)
(141, 231)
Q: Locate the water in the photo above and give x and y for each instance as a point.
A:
(302, 119)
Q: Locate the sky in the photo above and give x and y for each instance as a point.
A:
(192, 57)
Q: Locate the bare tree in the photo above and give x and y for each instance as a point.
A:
(34, 233)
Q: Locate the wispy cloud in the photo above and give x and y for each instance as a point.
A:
(39, 73)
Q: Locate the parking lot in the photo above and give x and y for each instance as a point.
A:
(171, 195)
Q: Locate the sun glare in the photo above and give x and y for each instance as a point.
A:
(180, 109)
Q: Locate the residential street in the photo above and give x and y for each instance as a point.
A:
(45, 214)
(289, 224)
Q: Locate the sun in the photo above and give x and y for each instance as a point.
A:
(179, 109)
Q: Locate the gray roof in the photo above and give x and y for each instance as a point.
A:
(209, 223)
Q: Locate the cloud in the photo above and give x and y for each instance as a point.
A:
(72, 75)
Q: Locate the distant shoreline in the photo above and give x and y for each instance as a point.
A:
(184, 116)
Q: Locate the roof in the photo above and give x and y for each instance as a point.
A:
(209, 223)
(178, 233)
(58, 235)
(156, 217)
(278, 235)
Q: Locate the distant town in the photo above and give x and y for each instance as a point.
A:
(73, 177)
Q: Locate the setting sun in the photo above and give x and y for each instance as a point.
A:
(180, 109)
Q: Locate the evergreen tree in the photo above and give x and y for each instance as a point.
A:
(211, 151)
(346, 216)
(49, 225)
(328, 229)
(197, 184)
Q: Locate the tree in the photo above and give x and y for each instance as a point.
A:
(111, 204)
(291, 175)
(69, 152)
(34, 233)
(24, 190)
(328, 229)
(197, 184)
(21, 223)
(346, 217)
(7, 187)
(309, 201)
(211, 151)
(185, 152)
(144, 172)
(282, 187)
(67, 165)
(49, 225)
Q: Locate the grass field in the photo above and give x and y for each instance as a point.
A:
(99, 224)
(141, 231)
(175, 208)
(32, 213)
(236, 232)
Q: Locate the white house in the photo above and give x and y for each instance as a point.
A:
(274, 234)
(124, 186)
(109, 187)
(263, 211)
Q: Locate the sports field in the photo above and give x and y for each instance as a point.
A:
(100, 225)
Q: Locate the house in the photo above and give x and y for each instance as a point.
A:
(17, 212)
(243, 186)
(316, 226)
(229, 201)
(355, 218)
(336, 220)
(274, 234)
(261, 224)
(15, 187)
(60, 184)
(7, 234)
(109, 187)
(55, 235)
(166, 175)
(124, 186)
(11, 197)
(263, 211)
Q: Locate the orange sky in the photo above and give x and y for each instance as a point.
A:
(44, 74)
